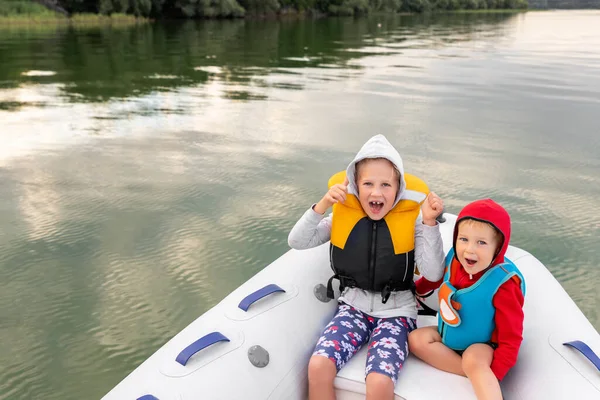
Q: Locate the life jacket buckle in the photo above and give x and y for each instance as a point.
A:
(386, 293)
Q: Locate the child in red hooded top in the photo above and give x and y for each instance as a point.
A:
(480, 329)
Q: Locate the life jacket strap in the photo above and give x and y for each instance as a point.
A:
(345, 281)
(388, 289)
(330, 293)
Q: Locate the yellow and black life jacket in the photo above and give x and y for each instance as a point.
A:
(375, 255)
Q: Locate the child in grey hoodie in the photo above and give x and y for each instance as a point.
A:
(383, 222)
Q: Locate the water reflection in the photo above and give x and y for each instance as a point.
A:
(102, 64)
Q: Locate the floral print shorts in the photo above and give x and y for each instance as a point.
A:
(350, 329)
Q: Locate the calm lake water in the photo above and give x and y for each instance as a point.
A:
(146, 172)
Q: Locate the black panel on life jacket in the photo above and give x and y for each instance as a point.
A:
(368, 260)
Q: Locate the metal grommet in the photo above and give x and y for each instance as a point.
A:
(320, 292)
(258, 356)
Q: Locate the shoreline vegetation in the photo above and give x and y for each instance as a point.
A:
(75, 19)
(130, 12)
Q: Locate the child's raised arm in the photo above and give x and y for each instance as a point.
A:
(313, 229)
(431, 208)
(429, 249)
(336, 194)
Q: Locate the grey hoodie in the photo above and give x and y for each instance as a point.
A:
(314, 229)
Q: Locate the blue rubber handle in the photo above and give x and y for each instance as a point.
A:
(203, 342)
(259, 294)
(586, 351)
(147, 397)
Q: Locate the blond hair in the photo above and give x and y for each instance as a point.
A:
(498, 236)
(365, 161)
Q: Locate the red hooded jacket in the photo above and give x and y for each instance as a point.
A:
(508, 300)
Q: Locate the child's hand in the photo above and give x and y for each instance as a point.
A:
(431, 208)
(336, 194)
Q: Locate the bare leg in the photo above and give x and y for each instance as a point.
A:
(476, 363)
(426, 343)
(379, 387)
(321, 373)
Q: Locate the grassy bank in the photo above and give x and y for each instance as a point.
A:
(20, 12)
(52, 18)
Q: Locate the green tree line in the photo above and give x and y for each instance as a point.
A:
(241, 8)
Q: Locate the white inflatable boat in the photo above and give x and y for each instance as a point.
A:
(255, 344)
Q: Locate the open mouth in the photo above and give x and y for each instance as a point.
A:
(470, 262)
(376, 206)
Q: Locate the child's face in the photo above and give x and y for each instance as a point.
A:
(476, 245)
(377, 185)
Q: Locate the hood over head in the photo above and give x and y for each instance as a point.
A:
(376, 147)
(487, 210)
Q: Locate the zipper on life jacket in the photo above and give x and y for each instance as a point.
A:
(372, 255)
(442, 331)
(372, 259)
(406, 268)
